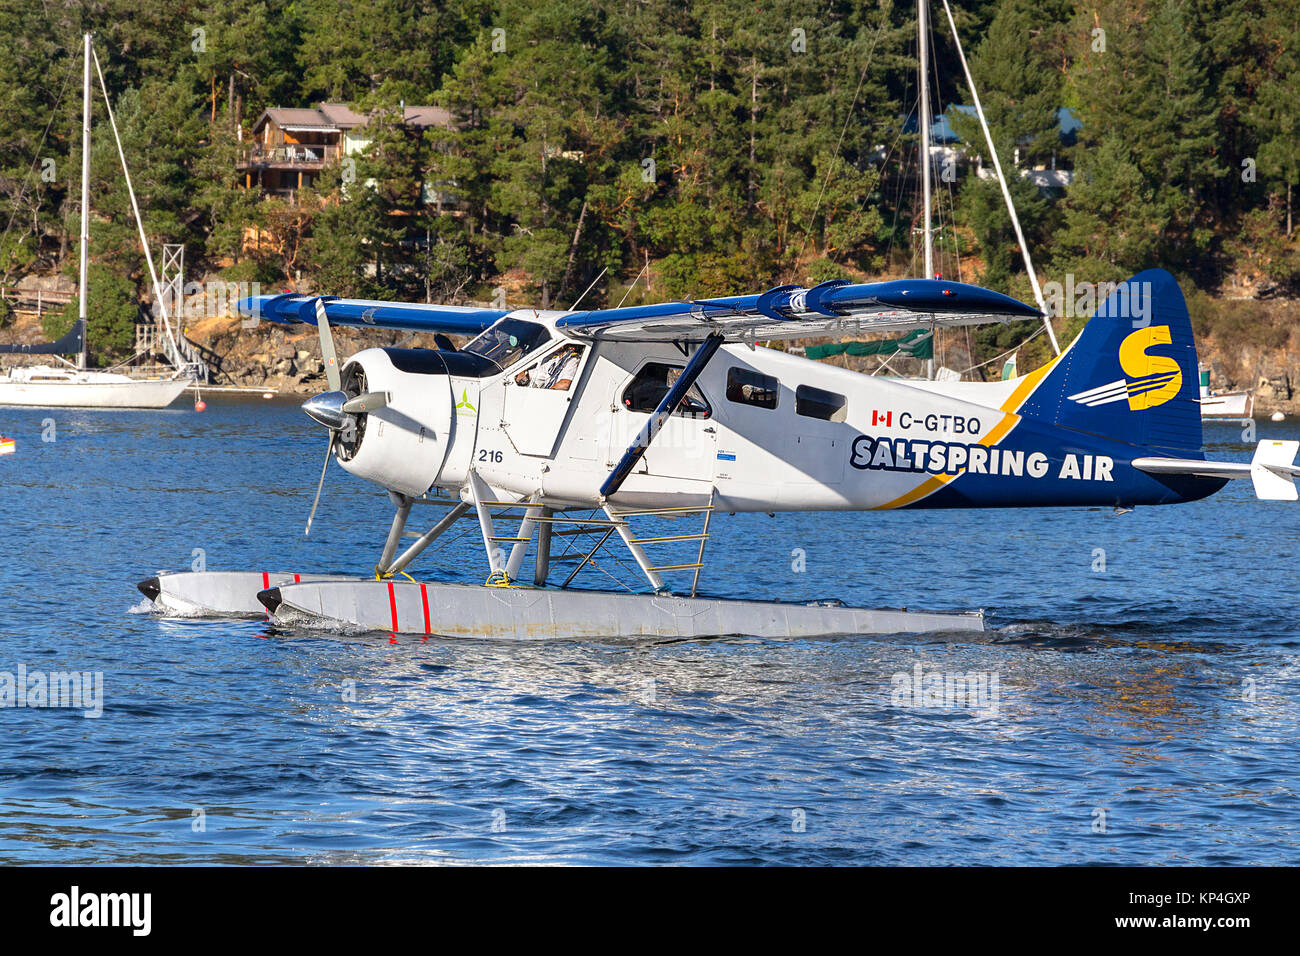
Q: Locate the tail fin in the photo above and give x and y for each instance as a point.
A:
(1131, 374)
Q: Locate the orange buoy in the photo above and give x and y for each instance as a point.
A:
(200, 405)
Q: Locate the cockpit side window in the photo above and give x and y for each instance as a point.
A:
(508, 341)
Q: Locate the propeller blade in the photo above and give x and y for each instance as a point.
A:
(369, 402)
(329, 450)
(328, 355)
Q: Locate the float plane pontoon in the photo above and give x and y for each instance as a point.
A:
(637, 414)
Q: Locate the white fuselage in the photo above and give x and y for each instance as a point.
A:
(757, 457)
(778, 433)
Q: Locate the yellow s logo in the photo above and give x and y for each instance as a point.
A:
(1153, 379)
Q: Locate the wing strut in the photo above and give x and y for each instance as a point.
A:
(676, 395)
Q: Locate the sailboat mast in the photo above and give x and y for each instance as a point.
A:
(1002, 182)
(927, 228)
(922, 39)
(85, 202)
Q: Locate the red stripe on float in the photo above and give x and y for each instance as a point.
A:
(424, 597)
(266, 581)
(297, 579)
(392, 605)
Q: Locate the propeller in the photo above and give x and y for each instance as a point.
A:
(335, 409)
(330, 357)
(329, 452)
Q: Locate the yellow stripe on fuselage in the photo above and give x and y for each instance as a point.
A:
(1012, 405)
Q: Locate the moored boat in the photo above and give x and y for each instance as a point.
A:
(1224, 405)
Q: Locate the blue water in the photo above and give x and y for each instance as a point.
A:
(1156, 700)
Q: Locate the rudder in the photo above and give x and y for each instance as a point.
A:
(1131, 375)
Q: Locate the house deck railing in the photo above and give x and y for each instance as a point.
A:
(292, 156)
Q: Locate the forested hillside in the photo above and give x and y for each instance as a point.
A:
(707, 147)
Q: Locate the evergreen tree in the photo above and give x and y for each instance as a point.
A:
(111, 311)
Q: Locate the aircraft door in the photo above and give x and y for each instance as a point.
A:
(686, 445)
(537, 399)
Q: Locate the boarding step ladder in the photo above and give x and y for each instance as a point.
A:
(594, 533)
(666, 542)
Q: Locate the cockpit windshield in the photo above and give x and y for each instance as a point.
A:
(509, 340)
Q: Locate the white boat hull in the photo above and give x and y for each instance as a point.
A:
(1228, 405)
(126, 394)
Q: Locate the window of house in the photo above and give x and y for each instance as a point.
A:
(747, 387)
(818, 403)
(651, 384)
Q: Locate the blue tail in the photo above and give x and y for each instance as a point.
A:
(1131, 375)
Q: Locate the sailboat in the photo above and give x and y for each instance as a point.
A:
(74, 385)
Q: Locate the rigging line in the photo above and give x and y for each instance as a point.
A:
(848, 118)
(130, 190)
(1002, 182)
(589, 288)
(898, 200)
(1015, 348)
(896, 146)
(54, 112)
(632, 286)
(953, 242)
(907, 168)
(951, 230)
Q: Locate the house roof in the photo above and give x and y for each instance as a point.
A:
(333, 117)
(299, 119)
(341, 115)
(422, 117)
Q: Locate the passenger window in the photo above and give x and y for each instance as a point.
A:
(748, 387)
(817, 403)
(647, 390)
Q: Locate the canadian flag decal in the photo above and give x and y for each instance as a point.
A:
(882, 418)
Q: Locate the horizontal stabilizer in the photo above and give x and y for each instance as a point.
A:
(1272, 470)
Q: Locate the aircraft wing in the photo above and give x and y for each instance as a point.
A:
(372, 313)
(787, 312)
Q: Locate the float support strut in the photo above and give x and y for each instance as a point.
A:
(543, 550)
(414, 551)
(395, 532)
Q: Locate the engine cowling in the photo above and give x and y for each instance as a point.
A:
(403, 445)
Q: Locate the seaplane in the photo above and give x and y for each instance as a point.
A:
(598, 425)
